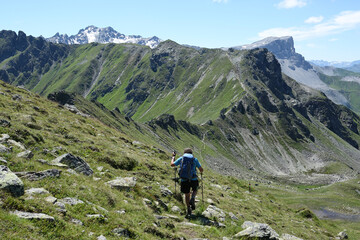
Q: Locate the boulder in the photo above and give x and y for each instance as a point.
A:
(214, 212)
(101, 237)
(25, 154)
(175, 209)
(4, 123)
(28, 215)
(4, 149)
(51, 199)
(165, 191)
(77, 222)
(74, 162)
(70, 201)
(121, 232)
(16, 144)
(2, 161)
(10, 182)
(35, 176)
(258, 231)
(125, 183)
(342, 235)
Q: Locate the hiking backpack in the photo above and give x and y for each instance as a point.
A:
(187, 167)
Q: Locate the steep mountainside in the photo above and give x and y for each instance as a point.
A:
(102, 35)
(242, 114)
(295, 66)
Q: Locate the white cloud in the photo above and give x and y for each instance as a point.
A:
(333, 40)
(292, 4)
(220, 1)
(344, 21)
(314, 19)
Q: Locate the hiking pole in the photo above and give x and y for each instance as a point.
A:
(175, 179)
(202, 189)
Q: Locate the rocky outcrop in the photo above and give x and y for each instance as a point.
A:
(36, 176)
(33, 216)
(120, 183)
(10, 182)
(214, 212)
(257, 231)
(73, 162)
(62, 97)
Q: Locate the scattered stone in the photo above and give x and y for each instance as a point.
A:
(60, 207)
(216, 212)
(74, 162)
(121, 232)
(189, 224)
(289, 237)
(16, 97)
(100, 216)
(71, 201)
(101, 237)
(96, 179)
(4, 123)
(125, 183)
(3, 161)
(121, 212)
(72, 171)
(4, 149)
(28, 215)
(147, 202)
(42, 161)
(160, 217)
(36, 176)
(173, 217)
(4, 138)
(343, 235)
(100, 168)
(257, 230)
(16, 144)
(175, 209)
(165, 191)
(210, 201)
(26, 154)
(51, 199)
(77, 222)
(233, 217)
(74, 109)
(10, 182)
(36, 191)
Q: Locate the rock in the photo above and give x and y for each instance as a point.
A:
(74, 162)
(289, 237)
(96, 216)
(51, 199)
(343, 235)
(28, 215)
(4, 123)
(121, 232)
(147, 202)
(125, 183)
(233, 217)
(26, 154)
(16, 144)
(36, 191)
(257, 230)
(70, 201)
(175, 209)
(10, 182)
(3, 161)
(4, 138)
(77, 222)
(210, 201)
(4, 149)
(165, 191)
(35, 176)
(71, 171)
(101, 237)
(121, 212)
(60, 207)
(216, 212)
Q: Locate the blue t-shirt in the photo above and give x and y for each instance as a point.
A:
(196, 165)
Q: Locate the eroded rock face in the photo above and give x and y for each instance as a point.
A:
(73, 162)
(10, 182)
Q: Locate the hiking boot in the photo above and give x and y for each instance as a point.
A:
(192, 203)
(188, 214)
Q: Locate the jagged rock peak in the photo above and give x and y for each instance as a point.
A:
(103, 35)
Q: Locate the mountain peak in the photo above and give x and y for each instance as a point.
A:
(103, 35)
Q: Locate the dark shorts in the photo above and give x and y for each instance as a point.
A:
(185, 186)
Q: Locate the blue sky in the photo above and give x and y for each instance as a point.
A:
(322, 29)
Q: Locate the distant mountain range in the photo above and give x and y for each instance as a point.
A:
(103, 35)
(338, 64)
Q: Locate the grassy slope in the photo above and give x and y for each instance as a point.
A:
(81, 136)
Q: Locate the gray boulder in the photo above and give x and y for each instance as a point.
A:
(70, 201)
(28, 215)
(74, 162)
(214, 212)
(35, 176)
(4, 123)
(125, 183)
(342, 235)
(2, 161)
(26, 154)
(16, 144)
(36, 191)
(121, 232)
(257, 230)
(10, 182)
(4, 138)
(165, 191)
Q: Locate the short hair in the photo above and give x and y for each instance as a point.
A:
(188, 150)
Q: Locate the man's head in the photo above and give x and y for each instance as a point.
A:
(188, 150)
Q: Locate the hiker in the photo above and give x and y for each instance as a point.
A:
(188, 164)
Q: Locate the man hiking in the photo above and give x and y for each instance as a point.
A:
(187, 173)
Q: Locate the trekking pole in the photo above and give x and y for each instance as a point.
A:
(202, 188)
(175, 178)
